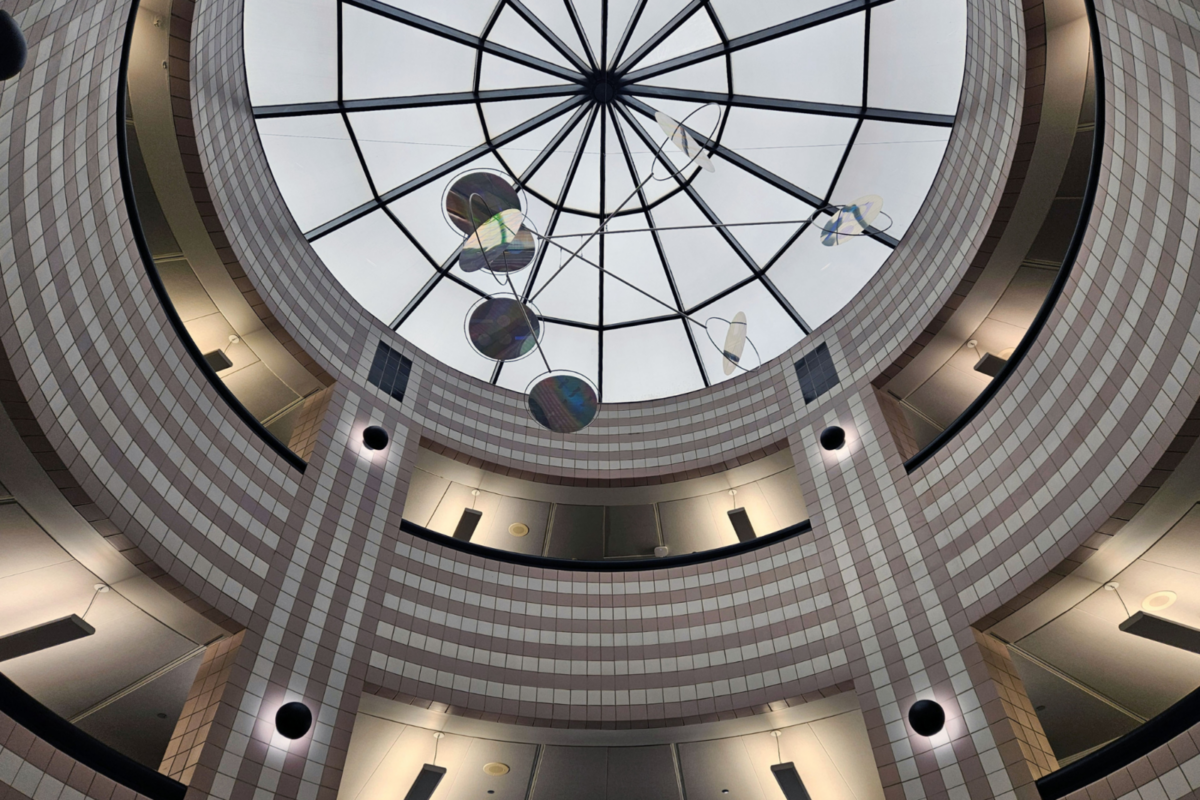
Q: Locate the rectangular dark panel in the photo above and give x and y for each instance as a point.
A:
(1163, 631)
(816, 373)
(789, 781)
(630, 531)
(389, 371)
(426, 783)
(577, 532)
(218, 360)
(466, 525)
(741, 524)
(990, 365)
(39, 637)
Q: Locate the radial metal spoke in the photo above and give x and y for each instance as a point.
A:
(446, 168)
(554, 143)
(562, 201)
(662, 33)
(793, 106)
(464, 38)
(582, 34)
(724, 232)
(415, 101)
(623, 42)
(750, 39)
(658, 245)
(558, 44)
(763, 174)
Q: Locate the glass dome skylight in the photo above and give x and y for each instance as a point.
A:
(368, 111)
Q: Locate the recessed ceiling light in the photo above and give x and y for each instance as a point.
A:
(518, 529)
(496, 768)
(1158, 601)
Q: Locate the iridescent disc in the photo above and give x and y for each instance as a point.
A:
(852, 220)
(503, 329)
(683, 141)
(563, 402)
(478, 196)
(735, 343)
(500, 244)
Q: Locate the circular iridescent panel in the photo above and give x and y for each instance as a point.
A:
(476, 197)
(503, 328)
(563, 402)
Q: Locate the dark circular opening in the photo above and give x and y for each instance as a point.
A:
(375, 438)
(293, 720)
(926, 717)
(833, 438)
(13, 50)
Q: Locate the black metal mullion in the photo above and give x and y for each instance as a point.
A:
(547, 34)
(658, 246)
(793, 106)
(464, 38)
(628, 33)
(603, 206)
(661, 34)
(581, 33)
(557, 212)
(729, 238)
(554, 143)
(413, 101)
(750, 39)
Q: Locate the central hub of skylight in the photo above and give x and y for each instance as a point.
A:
(823, 125)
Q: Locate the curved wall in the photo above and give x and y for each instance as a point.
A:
(336, 600)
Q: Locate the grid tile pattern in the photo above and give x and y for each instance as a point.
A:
(310, 564)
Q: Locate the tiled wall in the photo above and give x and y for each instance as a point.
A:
(334, 598)
(31, 768)
(1172, 772)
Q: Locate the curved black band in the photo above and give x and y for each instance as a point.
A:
(92, 753)
(614, 565)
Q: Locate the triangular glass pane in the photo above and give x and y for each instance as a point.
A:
(511, 30)
(897, 162)
(553, 14)
(634, 258)
(291, 51)
(820, 280)
(575, 293)
(505, 115)
(400, 145)
(618, 184)
(711, 75)
(917, 55)
(589, 17)
(656, 14)
(804, 149)
(823, 64)
(739, 18)
(701, 261)
(548, 180)
(737, 197)
(585, 189)
(376, 263)
(500, 73)
(619, 14)
(695, 34)
(384, 58)
(649, 361)
(468, 16)
(315, 167)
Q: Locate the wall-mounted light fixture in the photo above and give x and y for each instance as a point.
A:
(927, 717)
(293, 720)
(375, 438)
(833, 438)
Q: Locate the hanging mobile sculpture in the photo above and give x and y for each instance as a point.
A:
(499, 239)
